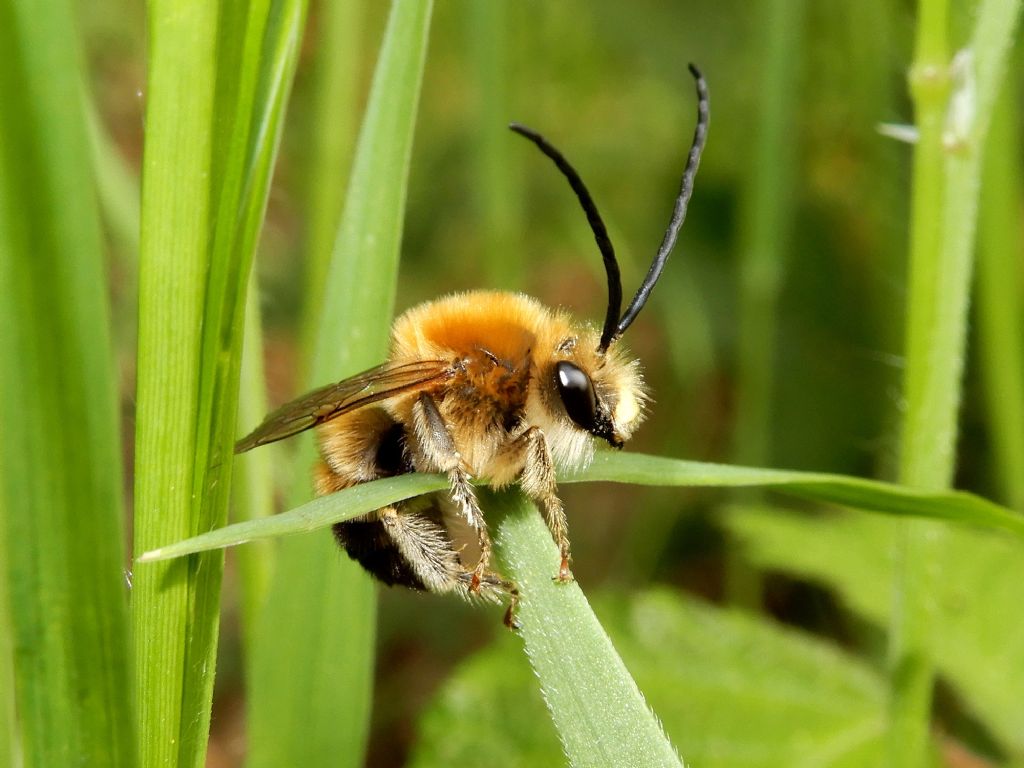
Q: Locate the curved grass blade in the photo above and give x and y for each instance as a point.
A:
(872, 495)
(315, 515)
(629, 468)
(318, 713)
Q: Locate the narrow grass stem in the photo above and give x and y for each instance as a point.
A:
(929, 424)
(252, 488)
(953, 100)
(767, 220)
(1000, 305)
(334, 124)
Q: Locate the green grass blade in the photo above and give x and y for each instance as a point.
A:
(766, 220)
(361, 276)
(496, 183)
(252, 487)
(61, 536)
(254, 80)
(176, 221)
(635, 469)
(10, 748)
(321, 607)
(219, 78)
(953, 106)
(314, 515)
(873, 495)
(334, 124)
(769, 197)
(600, 714)
(1000, 305)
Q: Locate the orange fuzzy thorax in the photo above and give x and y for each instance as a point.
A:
(527, 339)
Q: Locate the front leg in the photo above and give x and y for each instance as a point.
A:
(538, 482)
(439, 451)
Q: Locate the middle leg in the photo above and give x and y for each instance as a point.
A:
(538, 482)
(440, 452)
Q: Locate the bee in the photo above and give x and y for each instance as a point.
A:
(489, 385)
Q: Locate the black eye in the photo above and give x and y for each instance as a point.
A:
(577, 395)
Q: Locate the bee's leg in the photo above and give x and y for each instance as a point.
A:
(538, 482)
(440, 451)
(492, 582)
(424, 544)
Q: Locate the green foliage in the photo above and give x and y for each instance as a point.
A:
(976, 598)
(767, 341)
(66, 669)
(953, 102)
(317, 713)
(597, 709)
(730, 690)
(632, 468)
(218, 81)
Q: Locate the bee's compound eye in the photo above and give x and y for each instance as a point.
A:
(577, 394)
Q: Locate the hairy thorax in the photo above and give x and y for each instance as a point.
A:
(497, 342)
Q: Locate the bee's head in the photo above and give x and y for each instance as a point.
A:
(600, 390)
(581, 393)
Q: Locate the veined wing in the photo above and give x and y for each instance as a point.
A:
(380, 383)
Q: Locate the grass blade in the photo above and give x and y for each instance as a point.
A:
(252, 487)
(314, 515)
(767, 215)
(334, 124)
(175, 225)
(496, 183)
(9, 745)
(215, 100)
(61, 547)
(953, 103)
(1000, 335)
(600, 714)
(631, 468)
(322, 607)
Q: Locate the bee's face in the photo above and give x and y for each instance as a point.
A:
(600, 393)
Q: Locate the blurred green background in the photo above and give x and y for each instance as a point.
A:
(774, 338)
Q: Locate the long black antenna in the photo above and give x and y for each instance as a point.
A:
(700, 135)
(604, 243)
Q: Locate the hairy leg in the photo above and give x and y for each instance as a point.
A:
(440, 452)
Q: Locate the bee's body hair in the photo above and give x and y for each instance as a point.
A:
(496, 418)
(486, 385)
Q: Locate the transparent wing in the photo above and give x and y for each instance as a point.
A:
(380, 383)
